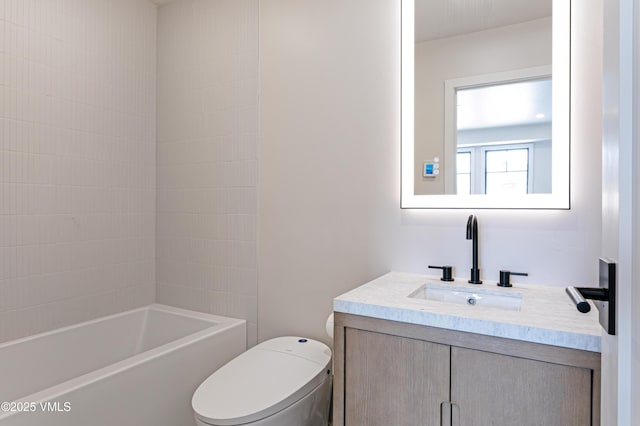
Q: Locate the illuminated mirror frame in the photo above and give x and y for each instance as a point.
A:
(560, 195)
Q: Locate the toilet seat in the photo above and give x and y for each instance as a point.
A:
(262, 381)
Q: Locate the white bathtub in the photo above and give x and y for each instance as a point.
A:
(137, 368)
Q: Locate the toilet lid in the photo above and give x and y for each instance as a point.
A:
(262, 381)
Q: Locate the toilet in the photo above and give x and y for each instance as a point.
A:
(284, 381)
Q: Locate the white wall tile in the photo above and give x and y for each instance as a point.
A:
(78, 178)
(77, 161)
(207, 166)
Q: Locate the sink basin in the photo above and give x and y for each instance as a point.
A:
(469, 296)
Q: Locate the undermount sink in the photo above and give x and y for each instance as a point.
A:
(469, 296)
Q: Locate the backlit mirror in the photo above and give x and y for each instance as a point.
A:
(485, 104)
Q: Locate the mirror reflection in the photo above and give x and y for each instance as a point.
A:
(483, 113)
(503, 138)
(478, 40)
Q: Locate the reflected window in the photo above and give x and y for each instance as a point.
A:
(463, 172)
(496, 170)
(506, 171)
(503, 138)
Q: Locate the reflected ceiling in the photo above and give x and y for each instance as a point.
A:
(440, 19)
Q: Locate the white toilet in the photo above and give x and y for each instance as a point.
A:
(284, 381)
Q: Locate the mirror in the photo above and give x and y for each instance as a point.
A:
(485, 104)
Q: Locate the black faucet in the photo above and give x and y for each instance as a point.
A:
(472, 234)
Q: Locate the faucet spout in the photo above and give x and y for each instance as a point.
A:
(472, 234)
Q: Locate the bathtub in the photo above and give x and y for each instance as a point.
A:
(137, 368)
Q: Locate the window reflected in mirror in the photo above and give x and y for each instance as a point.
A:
(503, 138)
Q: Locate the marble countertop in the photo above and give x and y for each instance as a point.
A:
(546, 315)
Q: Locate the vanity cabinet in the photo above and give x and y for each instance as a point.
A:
(390, 373)
(393, 380)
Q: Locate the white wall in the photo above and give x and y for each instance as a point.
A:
(329, 177)
(508, 48)
(207, 169)
(77, 161)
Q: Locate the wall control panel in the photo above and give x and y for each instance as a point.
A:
(431, 169)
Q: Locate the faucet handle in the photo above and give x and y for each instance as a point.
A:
(505, 278)
(447, 274)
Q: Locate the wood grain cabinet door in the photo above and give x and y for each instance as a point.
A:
(394, 381)
(496, 390)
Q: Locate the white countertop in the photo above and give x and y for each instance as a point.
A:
(546, 316)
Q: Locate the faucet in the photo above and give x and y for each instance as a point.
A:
(472, 234)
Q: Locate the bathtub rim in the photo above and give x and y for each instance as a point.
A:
(219, 325)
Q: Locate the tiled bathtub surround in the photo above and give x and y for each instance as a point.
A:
(207, 167)
(77, 160)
